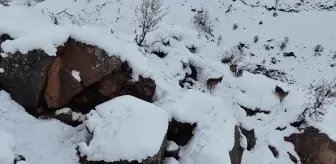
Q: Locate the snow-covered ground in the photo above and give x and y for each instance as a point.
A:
(110, 24)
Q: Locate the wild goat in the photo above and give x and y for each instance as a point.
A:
(212, 82)
(280, 93)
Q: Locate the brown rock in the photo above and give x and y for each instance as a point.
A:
(321, 149)
(24, 77)
(236, 153)
(91, 62)
(113, 85)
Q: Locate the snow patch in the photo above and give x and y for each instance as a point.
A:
(75, 74)
(7, 146)
(170, 160)
(172, 146)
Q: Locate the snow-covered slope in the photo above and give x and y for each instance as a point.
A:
(110, 24)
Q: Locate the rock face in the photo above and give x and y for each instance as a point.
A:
(321, 149)
(236, 153)
(91, 62)
(24, 77)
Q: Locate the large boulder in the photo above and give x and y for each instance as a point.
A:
(313, 147)
(99, 78)
(91, 63)
(126, 130)
(24, 76)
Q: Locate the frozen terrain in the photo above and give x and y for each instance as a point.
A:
(110, 24)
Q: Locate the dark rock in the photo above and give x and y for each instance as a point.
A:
(19, 158)
(321, 149)
(111, 86)
(250, 136)
(297, 124)
(180, 133)
(91, 62)
(159, 53)
(251, 112)
(289, 54)
(236, 153)
(292, 157)
(24, 77)
(274, 151)
(280, 128)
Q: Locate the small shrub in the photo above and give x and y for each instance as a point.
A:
(273, 60)
(235, 26)
(202, 21)
(256, 39)
(318, 50)
(283, 44)
(320, 95)
(159, 53)
(4, 2)
(233, 56)
(192, 49)
(219, 40)
(149, 13)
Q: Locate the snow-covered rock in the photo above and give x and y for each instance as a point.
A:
(125, 128)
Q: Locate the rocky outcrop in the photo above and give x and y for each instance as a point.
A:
(236, 153)
(24, 76)
(91, 62)
(321, 149)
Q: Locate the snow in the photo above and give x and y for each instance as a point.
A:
(213, 138)
(216, 114)
(122, 128)
(170, 160)
(75, 75)
(7, 145)
(172, 146)
(56, 141)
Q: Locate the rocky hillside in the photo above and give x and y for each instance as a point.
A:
(240, 82)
